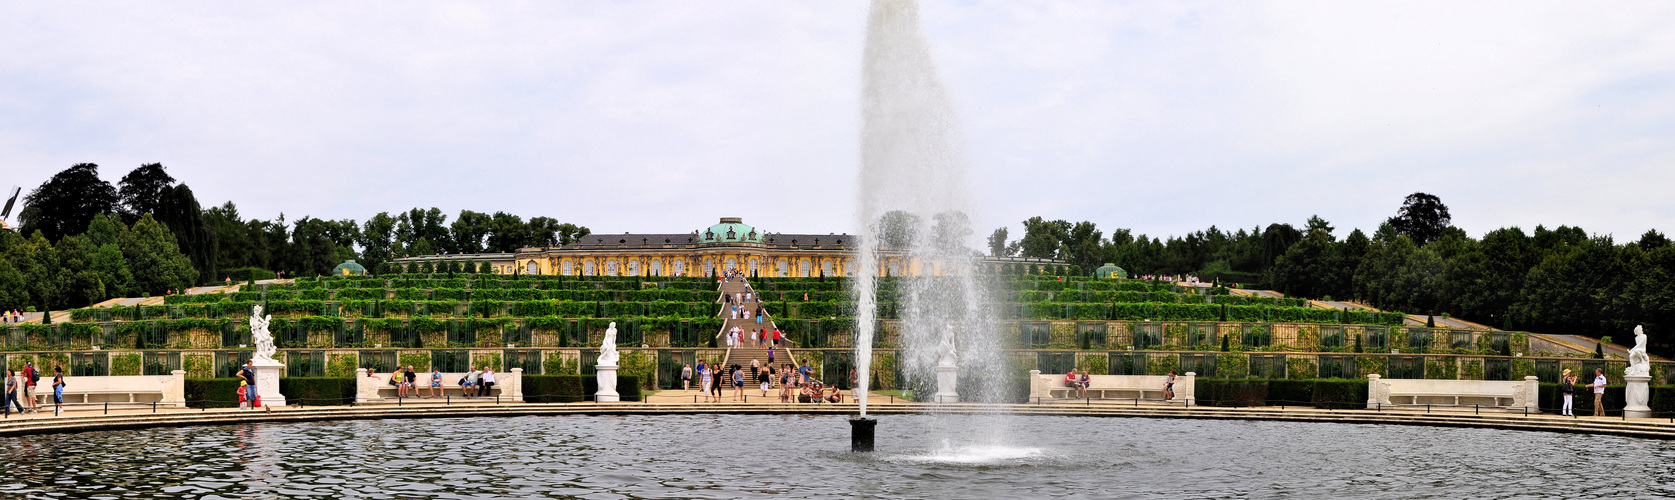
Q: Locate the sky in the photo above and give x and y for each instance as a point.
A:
(1161, 117)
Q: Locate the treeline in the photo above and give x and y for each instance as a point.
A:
(1550, 280)
(60, 261)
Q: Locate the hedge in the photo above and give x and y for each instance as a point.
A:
(212, 392)
(572, 388)
(318, 391)
(1321, 393)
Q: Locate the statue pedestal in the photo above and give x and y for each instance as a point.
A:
(947, 378)
(267, 381)
(1636, 395)
(607, 385)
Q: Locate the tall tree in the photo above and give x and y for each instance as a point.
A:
(997, 243)
(177, 209)
(1042, 238)
(377, 240)
(63, 205)
(142, 191)
(1422, 217)
(155, 259)
(568, 233)
(899, 229)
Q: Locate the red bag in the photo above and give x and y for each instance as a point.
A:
(258, 402)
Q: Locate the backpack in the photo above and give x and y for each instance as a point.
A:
(34, 376)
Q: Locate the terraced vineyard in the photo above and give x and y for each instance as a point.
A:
(548, 324)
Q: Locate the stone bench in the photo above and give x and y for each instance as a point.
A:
(377, 389)
(1510, 395)
(1130, 387)
(165, 390)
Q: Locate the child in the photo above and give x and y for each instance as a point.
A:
(243, 403)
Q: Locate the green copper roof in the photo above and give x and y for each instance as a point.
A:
(730, 230)
(350, 266)
(1110, 271)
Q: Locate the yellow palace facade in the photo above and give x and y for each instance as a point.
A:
(728, 245)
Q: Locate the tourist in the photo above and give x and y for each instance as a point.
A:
(754, 339)
(412, 381)
(818, 392)
(243, 395)
(471, 381)
(1083, 382)
(1168, 386)
(785, 384)
(1567, 387)
(836, 396)
(738, 382)
(765, 379)
(704, 380)
(770, 356)
(57, 390)
(12, 390)
(396, 378)
(755, 366)
(735, 312)
(807, 373)
(487, 384)
(435, 381)
(717, 373)
(248, 373)
(1070, 382)
(758, 315)
(30, 378)
(1599, 392)
(686, 377)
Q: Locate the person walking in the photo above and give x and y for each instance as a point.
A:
(704, 380)
(765, 380)
(12, 389)
(1567, 387)
(738, 382)
(57, 390)
(716, 374)
(758, 315)
(686, 377)
(1599, 392)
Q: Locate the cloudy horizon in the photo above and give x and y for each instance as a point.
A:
(661, 117)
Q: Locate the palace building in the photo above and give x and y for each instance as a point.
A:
(727, 245)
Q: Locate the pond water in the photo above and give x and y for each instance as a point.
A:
(921, 456)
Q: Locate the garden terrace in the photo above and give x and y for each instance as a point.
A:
(552, 324)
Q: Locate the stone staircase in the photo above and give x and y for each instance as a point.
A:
(747, 350)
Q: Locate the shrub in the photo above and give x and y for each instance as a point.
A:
(211, 392)
(318, 391)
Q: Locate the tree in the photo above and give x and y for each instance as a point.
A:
(1422, 217)
(63, 205)
(469, 230)
(950, 233)
(142, 191)
(997, 243)
(155, 259)
(1083, 246)
(376, 240)
(178, 210)
(1042, 238)
(568, 233)
(507, 233)
(1315, 222)
(898, 229)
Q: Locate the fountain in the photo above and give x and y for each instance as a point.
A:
(912, 168)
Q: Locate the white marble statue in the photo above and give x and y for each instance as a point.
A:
(948, 356)
(607, 348)
(1639, 364)
(259, 333)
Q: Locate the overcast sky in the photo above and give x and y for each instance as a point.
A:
(662, 116)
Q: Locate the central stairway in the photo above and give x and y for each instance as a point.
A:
(748, 350)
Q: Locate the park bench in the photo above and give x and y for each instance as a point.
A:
(1511, 395)
(1112, 387)
(377, 388)
(164, 390)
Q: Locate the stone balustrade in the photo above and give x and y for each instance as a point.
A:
(1510, 395)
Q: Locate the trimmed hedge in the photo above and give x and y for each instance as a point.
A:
(318, 391)
(573, 388)
(212, 392)
(1320, 393)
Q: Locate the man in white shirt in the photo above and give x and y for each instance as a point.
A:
(1599, 392)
